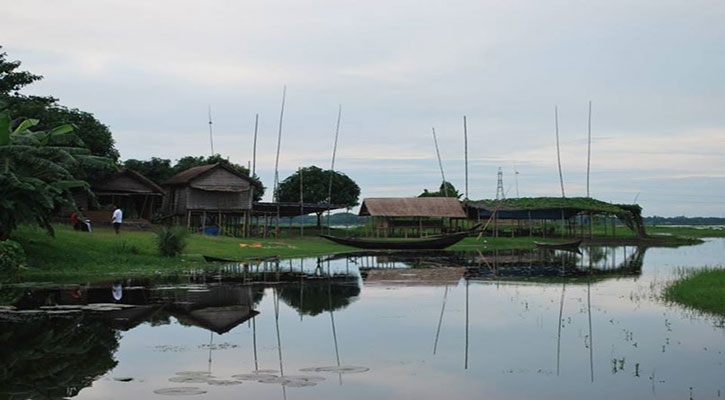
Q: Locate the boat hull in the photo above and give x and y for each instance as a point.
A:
(434, 243)
(563, 246)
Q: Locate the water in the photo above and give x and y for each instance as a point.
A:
(475, 326)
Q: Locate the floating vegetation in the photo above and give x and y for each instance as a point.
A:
(291, 381)
(220, 346)
(169, 348)
(253, 376)
(194, 373)
(180, 391)
(189, 379)
(223, 382)
(342, 369)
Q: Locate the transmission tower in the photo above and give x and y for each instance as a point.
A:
(500, 195)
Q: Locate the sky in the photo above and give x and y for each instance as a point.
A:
(653, 71)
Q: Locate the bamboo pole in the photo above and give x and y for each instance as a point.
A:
(558, 154)
(254, 146)
(279, 142)
(465, 151)
(332, 168)
(440, 163)
(589, 145)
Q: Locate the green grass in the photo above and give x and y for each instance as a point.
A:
(702, 231)
(703, 290)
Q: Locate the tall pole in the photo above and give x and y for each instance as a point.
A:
(440, 163)
(332, 167)
(279, 142)
(254, 146)
(465, 150)
(516, 177)
(558, 154)
(211, 139)
(302, 205)
(589, 145)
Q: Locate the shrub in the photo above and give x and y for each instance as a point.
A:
(12, 257)
(171, 241)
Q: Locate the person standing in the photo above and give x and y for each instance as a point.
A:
(117, 219)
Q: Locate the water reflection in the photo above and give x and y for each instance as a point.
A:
(517, 324)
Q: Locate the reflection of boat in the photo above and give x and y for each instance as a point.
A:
(437, 242)
(227, 260)
(562, 246)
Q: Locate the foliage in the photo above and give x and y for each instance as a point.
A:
(96, 137)
(315, 187)
(445, 190)
(36, 172)
(316, 298)
(703, 290)
(159, 169)
(171, 241)
(12, 258)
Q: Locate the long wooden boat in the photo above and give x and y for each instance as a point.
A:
(431, 243)
(574, 245)
(227, 260)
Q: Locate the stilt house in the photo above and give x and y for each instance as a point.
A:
(416, 216)
(214, 199)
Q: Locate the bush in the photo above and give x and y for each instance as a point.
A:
(171, 241)
(12, 257)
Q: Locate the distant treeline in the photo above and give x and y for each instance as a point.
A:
(343, 218)
(682, 220)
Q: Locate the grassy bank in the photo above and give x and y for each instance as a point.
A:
(72, 255)
(702, 290)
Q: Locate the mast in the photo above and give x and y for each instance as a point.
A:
(332, 167)
(254, 146)
(558, 154)
(589, 145)
(440, 163)
(465, 151)
(279, 142)
(211, 139)
(516, 177)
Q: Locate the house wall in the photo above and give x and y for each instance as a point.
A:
(184, 198)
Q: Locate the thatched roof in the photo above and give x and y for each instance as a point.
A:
(287, 209)
(128, 181)
(412, 207)
(192, 173)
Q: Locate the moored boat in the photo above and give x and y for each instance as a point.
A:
(431, 243)
(574, 245)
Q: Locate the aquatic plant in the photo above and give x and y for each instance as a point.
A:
(171, 241)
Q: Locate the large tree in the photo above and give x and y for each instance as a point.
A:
(95, 136)
(315, 188)
(36, 172)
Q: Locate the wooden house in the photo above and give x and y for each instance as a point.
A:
(418, 216)
(214, 199)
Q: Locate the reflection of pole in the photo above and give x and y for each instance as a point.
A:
(591, 341)
(466, 360)
(254, 343)
(279, 341)
(211, 338)
(440, 320)
(558, 335)
(334, 332)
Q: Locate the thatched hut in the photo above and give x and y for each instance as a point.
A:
(417, 216)
(212, 198)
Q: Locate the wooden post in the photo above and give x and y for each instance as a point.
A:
(531, 229)
(420, 226)
(219, 222)
(614, 226)
(188, 220)
(203, 222)
(563, 224)
(544, 233)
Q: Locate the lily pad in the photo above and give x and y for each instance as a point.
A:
(194, 373)
(342, 369)
(253, 377)
(189, 379)
(180, 391)
(223, 382)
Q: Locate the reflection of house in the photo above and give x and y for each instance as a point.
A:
(420, 215)
(214, 198)
(216, 308)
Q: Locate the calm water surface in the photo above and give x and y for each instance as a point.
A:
(384, 327)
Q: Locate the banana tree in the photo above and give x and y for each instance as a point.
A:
(36, 172)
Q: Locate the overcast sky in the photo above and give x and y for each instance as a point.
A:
(654, 71)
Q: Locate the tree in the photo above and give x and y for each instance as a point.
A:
(95, 136)
(159, 170)
(36, 172)
(446, 187)
(315, 187)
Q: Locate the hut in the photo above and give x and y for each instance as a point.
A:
(213, 199)
(139, 197)
(416, 216)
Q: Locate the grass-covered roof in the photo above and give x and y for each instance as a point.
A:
(545, 203)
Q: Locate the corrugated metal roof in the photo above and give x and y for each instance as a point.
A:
(412, 207)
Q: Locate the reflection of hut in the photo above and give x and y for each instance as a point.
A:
(417, 216)
(217, 308)
(542, 216)
(212, 198)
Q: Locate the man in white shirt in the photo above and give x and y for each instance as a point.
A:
(117, 219)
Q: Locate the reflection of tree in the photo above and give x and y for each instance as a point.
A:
(316, 298)
(48, 358)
